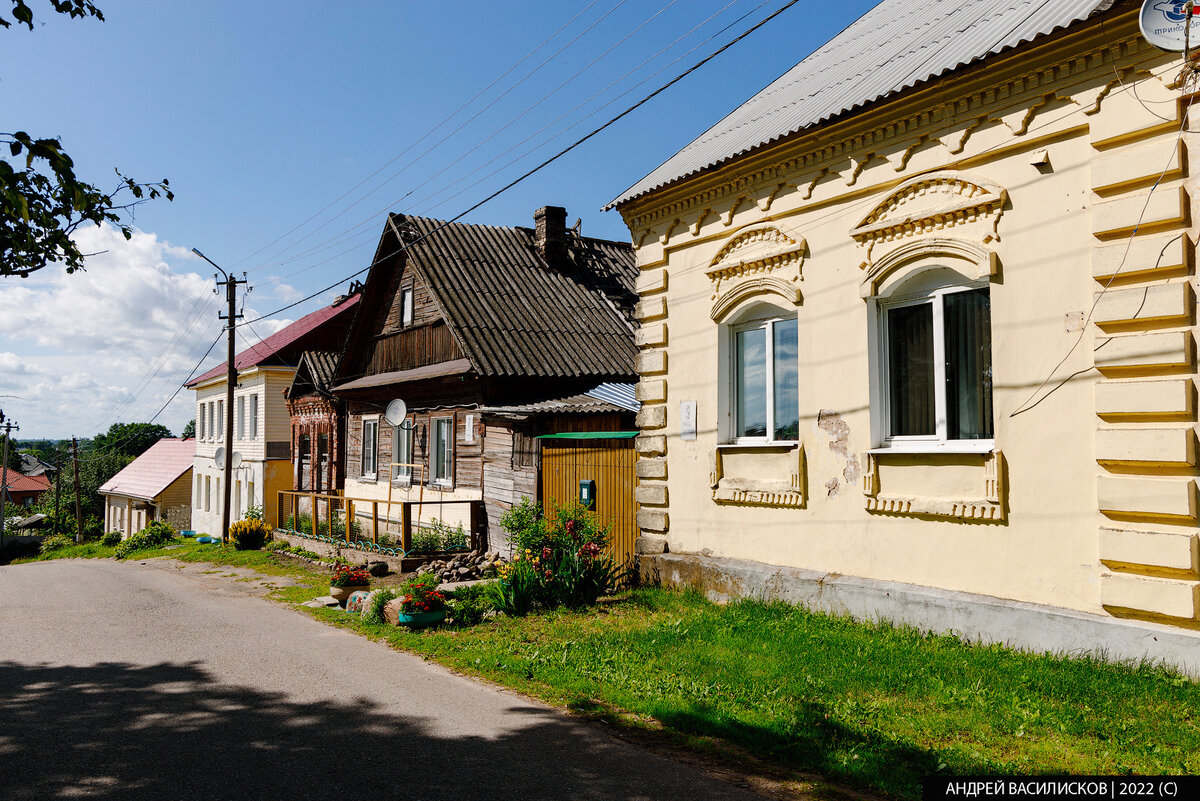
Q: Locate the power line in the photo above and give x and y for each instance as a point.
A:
(345, 235)
(460, 127)
(545, 163)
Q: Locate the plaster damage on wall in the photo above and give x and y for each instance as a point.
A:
(838, 430)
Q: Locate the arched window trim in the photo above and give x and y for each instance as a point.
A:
(898, 281)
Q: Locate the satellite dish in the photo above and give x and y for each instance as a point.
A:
(235, 461)
(219, 457)
(1164, 24)
(397, 410)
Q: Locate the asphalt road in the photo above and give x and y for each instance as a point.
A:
(130, 681)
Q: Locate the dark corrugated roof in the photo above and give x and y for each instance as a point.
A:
(513, 314)
(896, 45)
(321, 365)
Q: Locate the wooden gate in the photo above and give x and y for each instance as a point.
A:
(606, 458)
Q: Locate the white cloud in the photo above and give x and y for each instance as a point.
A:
(109, 343)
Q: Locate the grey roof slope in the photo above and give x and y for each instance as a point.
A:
(896, 45)
(513, 314)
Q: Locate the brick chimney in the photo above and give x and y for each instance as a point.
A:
(551, 223)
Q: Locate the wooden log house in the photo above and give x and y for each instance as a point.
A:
(492, 336)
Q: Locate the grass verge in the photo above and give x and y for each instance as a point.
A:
(874, 707)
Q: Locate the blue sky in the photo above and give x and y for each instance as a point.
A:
(261, 114)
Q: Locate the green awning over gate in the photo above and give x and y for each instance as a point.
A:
(592, 435)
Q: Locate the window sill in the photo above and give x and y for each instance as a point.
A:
(752, 446)
(965, 446)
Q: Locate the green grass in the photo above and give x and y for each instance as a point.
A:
(875, 707)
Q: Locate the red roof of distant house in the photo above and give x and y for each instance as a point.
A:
(18, 482)
(153, 471)
(261, 352)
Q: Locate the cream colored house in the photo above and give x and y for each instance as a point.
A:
(262, 429)
(919, 320)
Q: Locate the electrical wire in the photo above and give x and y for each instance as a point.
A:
(424, 136)
(699, 64)
(452, 133)
(345, 235)
(1025, 406)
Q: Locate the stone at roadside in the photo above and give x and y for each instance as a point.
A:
(464, 571)
(377, 568)
(324, 600)
(391, 611)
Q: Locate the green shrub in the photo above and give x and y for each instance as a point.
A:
(249, 534)
(111, 538)
(255, 513)
(56, 542)
(374, 612)
(425, 540)
(152, 536)
(276, 545)
(303, 523)
(469, 605)
(560, 561)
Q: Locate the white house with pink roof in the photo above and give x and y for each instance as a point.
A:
(155, 486)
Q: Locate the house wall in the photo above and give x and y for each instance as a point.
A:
(174, 504)
(273, 431)
(1087, 498)
(467, 476)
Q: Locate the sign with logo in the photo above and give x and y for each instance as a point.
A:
(1164, 24)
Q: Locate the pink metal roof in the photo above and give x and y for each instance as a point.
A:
(261, 352)
(152, 472)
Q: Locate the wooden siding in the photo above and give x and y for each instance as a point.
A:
(425, 308)
(610, 463)
(467, 469)
(415, 346)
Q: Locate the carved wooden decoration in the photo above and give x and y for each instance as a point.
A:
(758, 259)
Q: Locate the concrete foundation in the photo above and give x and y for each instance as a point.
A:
(974, 618)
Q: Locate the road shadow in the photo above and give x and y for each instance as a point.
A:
(175, 731)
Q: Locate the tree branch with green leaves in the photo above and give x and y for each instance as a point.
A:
(42, 201)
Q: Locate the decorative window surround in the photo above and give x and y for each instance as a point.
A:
(988, 507)
(789, 492)
(760, 259)
(919, 209)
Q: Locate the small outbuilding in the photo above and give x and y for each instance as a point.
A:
(155, 486)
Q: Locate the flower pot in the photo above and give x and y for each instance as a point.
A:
(340, 594)
(393, 615)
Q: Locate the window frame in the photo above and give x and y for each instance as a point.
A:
(404, 475)
(254, 417)
(408, 293)
(767, 324)
(932, 294)
(371, 421)
(434, 478)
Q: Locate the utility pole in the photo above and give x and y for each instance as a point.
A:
(230, 283)
(78, 506)
(57, 486)
(9, 427)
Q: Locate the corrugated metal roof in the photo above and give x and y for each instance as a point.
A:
(896, 45)
(273, 345)
(622, 395)
(155, 470)
(515, 315)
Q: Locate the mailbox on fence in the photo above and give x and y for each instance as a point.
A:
(587, 493)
